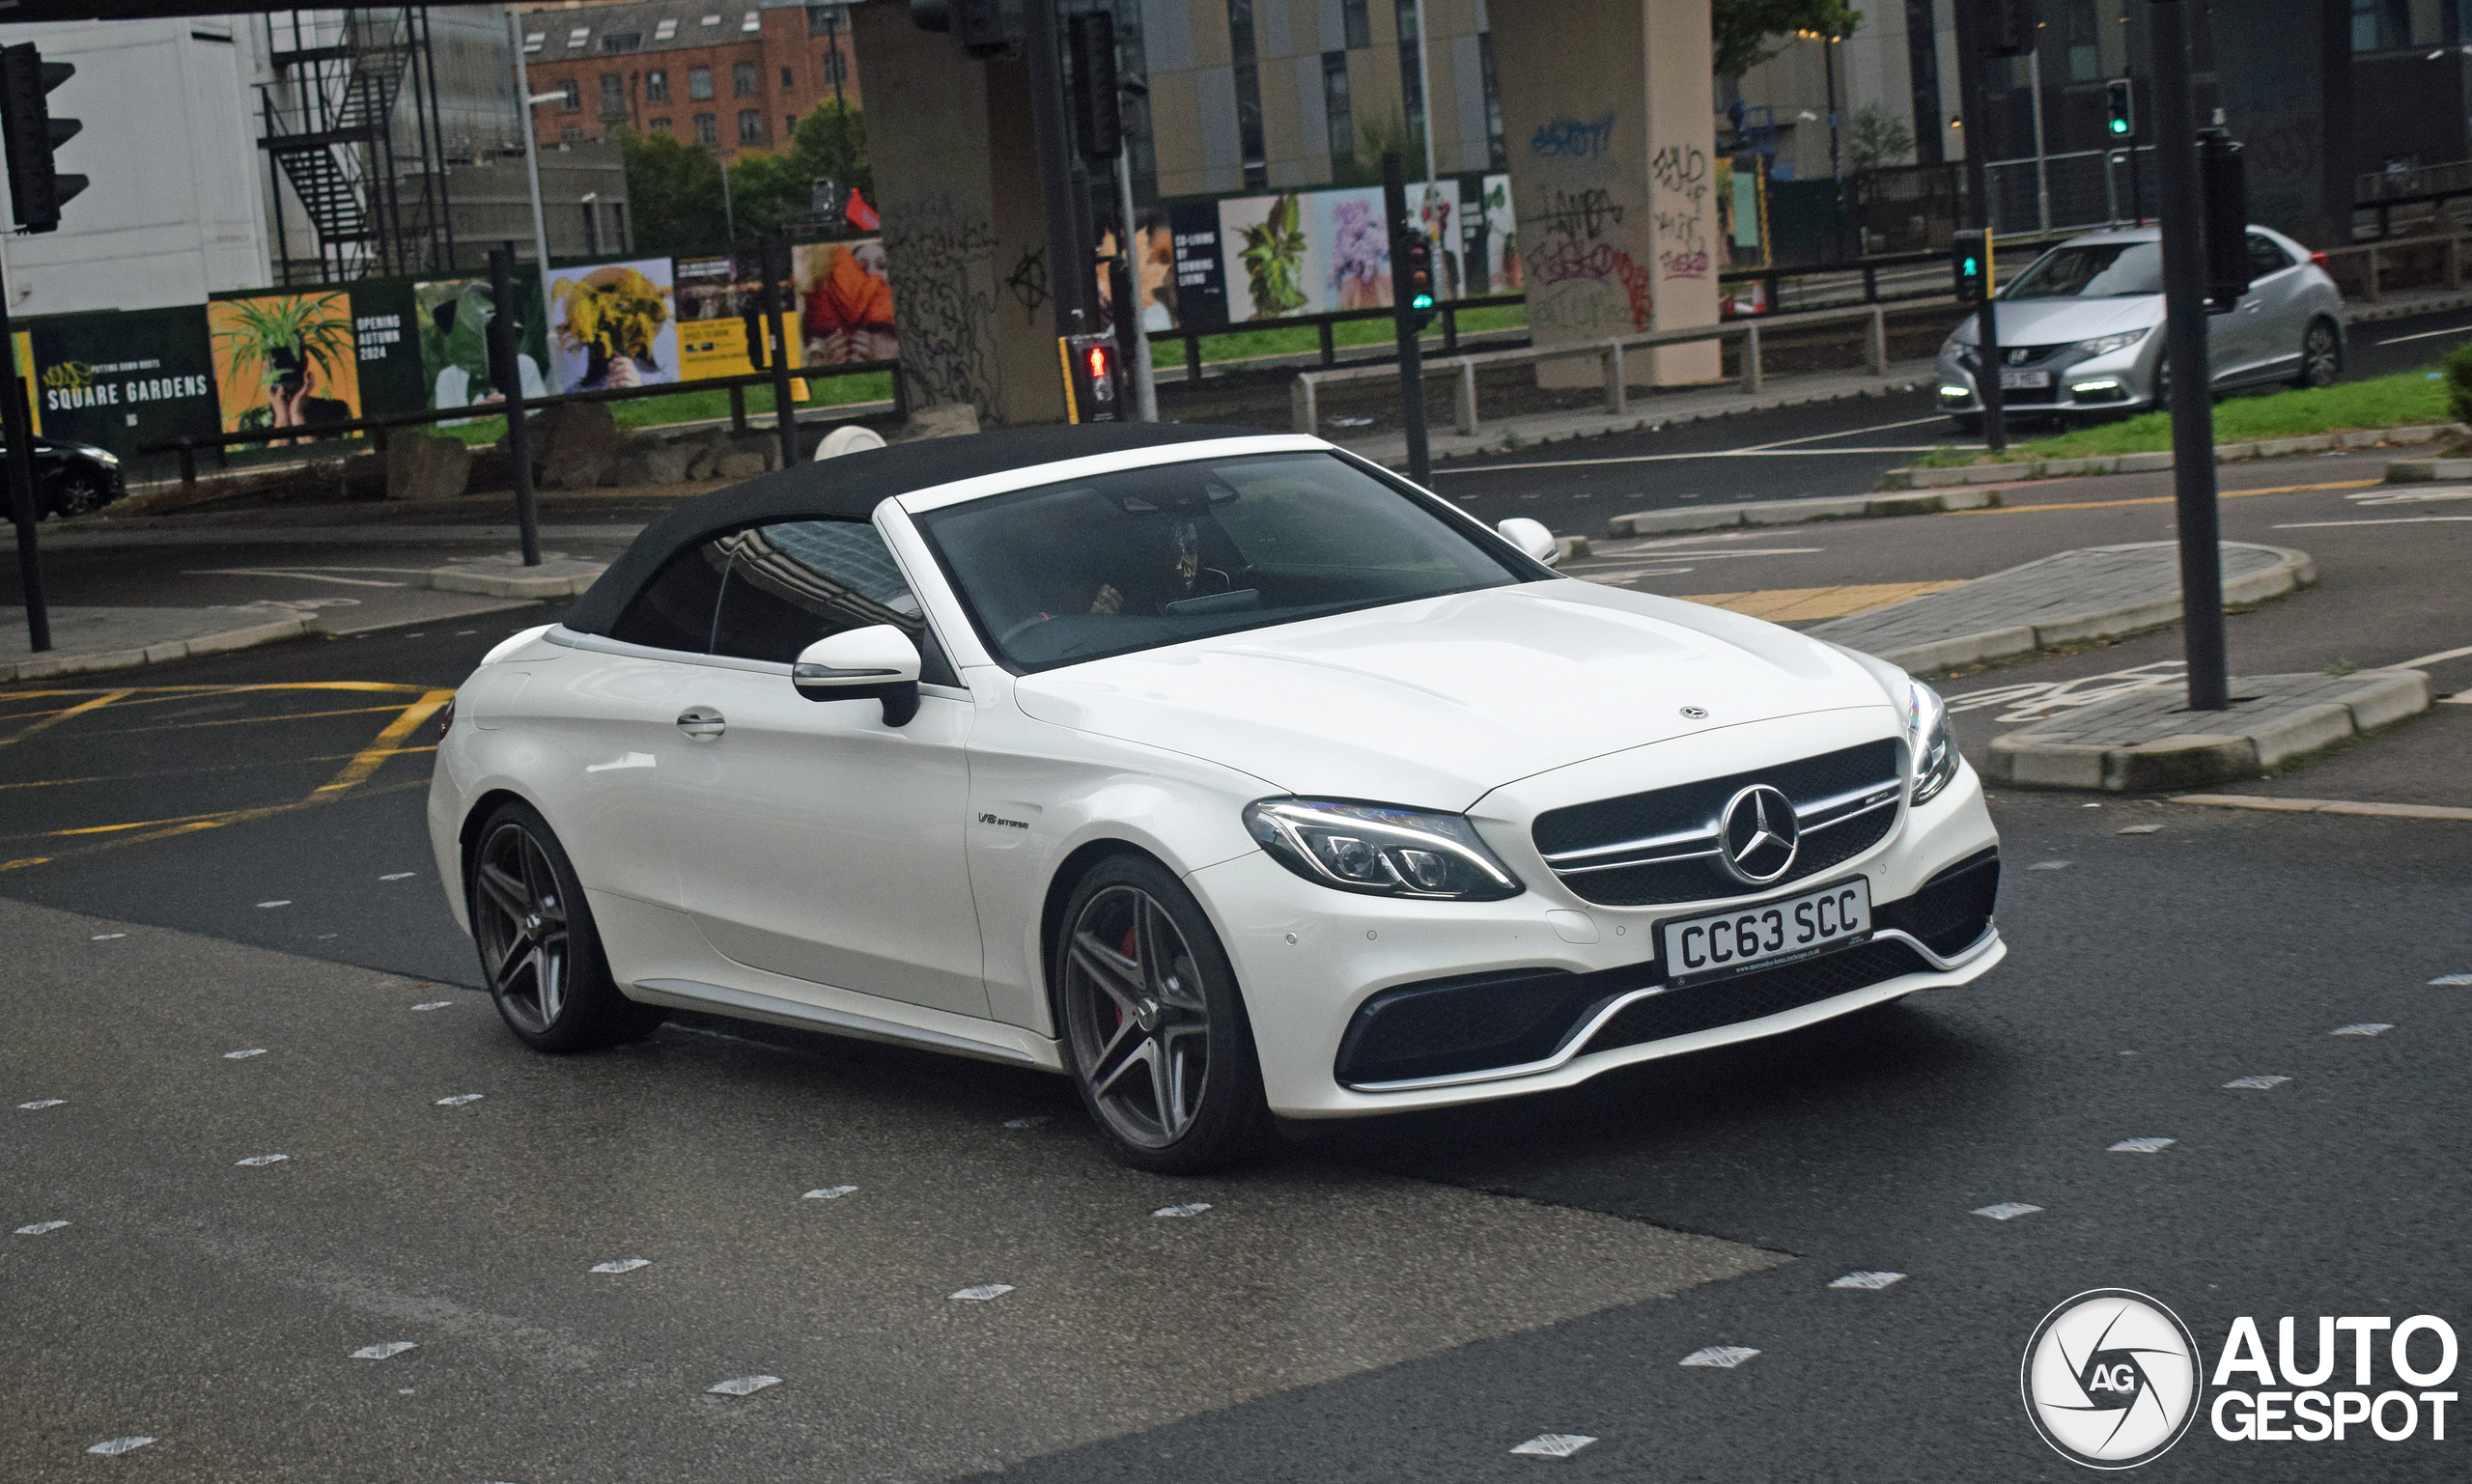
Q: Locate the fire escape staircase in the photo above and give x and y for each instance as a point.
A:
(333, 141)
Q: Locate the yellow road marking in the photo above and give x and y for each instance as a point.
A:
(57, 717)
(1799, 604)
(2163, 499)
(292, 716)
(181, 773)
(367, 760)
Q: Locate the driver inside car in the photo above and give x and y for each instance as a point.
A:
(1177, 576)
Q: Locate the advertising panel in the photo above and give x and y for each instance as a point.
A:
(285, 360)
(614, 325)
(1328, 252)
(1200, 290)
(845, 303)
(386, 340)
(455, 315)
(121, 379)
(719, 324)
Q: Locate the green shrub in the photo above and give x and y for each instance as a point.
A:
(2458, 382)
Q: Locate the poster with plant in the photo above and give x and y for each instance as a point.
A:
(453, 315)
(1272, 232)
(614, 325)
(285, 360)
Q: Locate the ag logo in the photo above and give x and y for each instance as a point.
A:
(2111, 1379)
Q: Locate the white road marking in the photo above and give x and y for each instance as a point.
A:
(2036, 700)
(830, 1192)
(1189, 1208)
(255, 1051)
(398, 876)
(106, 938)
(2459, 329)
(39, 1104)
(622, 1265)
(2006, 1210)
(256, 1159)
(113, 1446)
(1724, 1357)
(461, 1098)
(2315, 525)
(2140, 829)
(302, 573)
(434, 1005)
(1032, 1121)
(1872, 1280)
(981, 1292)
(386, 1351)
(2364, 1028)
(2049, 865)
(2439, 658)
(2452, 981)
(744, 1385)
(40, 1227)
(2143, 1144)
(1553, 1445)
(2411, 497)
(277, 902)
(2257, 1083)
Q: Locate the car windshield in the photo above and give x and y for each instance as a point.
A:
(1134, 560)
(2092, 270)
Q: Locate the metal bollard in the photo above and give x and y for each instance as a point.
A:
(1751, 358)
(1617, 390)
(1466, 408)
(1875, 342)
(1303, 404)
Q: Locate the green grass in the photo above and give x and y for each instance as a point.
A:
(706, 404)
(2382, 402)
(1306, 340)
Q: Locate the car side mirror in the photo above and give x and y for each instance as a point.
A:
(875, 664)
(1531, 537)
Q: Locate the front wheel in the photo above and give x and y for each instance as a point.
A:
(541, 954)
(1158, 1039)
(79, 493)
(2321, 355)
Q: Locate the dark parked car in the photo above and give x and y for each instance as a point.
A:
(70, 479)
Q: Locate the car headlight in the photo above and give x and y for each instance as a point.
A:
(1935, 751)
(1380, 848)
(2105, 344)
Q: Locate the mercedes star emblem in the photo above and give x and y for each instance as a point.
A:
(1758, 835)
(1695, 714)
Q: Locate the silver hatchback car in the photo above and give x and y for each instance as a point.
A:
(2081, 329)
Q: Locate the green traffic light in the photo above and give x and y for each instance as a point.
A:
(1972, 267)
(1422, 301)
(2120, 125)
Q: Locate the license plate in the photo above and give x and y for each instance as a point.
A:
(2024, 380)
(1766, 934)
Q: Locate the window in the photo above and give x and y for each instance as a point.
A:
(2093, 271)
(666, 30)
(656, 86)
(2084, 51)
(1308, 534)
(1336, 106)
(573, 133)
(826, 20)
(699, 83)
(613, 95)
(754, 22)
(1247, 67)
(750, 126)
(579, 36)
(836, 69)
(708, 129)
(786, 83)
(1359, 25)
(744, 83)
(575, 95)
(1495, 149)
(712, 20)
(1412, 73)
(2266, 256)
(768, 591)
(629, 40)
(533, 42)
(789, 125)
(659, 125)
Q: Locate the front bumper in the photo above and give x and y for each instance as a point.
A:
(2117, 382)
(1543, 991)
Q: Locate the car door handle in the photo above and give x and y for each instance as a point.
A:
(701, 722)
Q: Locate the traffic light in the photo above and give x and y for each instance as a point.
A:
(1098, 118)
(29, 134)
(1089, 379)
(2120, 109)
(1412, 276)
(982, 28)
(2007, 27)
(2223, 190)
(1970, 258)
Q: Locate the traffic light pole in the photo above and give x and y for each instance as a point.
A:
(2184, 326)
(21, 484)
(1068, 259)
(506, 368)
(1972, 52)
(1403, 316)
(775, 252)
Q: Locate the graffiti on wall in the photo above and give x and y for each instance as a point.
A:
(1679, 177)
(942, 268)
(1580, 274)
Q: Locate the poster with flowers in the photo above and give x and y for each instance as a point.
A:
(613, 326)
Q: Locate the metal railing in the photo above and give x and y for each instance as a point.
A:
(2363, 271)
(2074, 192)
(1448, 310)
(1305, 395)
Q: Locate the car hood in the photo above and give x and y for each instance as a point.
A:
(1434, 703)
(2058, 321)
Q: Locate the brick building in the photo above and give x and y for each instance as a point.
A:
(724, 74)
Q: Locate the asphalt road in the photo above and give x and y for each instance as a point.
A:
(1829, 449)
(1404, 1300)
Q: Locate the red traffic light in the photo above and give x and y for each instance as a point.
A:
(1098, 358)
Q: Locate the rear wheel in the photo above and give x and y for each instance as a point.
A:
(79, 493)
(541, 955)
(1158, 1041)
(2322, 354)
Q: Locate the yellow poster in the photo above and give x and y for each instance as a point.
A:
(285, 360)
(21, 346)
(717, 316)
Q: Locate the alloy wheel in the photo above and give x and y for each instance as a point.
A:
(1138, 1017)
(2322, 358)
(80, 494)
(521, 924)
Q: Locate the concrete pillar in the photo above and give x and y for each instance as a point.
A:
(1610, 116)
(964, 228)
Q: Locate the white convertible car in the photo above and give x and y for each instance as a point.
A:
(1225, 772)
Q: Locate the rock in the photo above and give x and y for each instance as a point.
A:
(426, 466)
(701, 455)
(738, 465)
(763, 445)
(628, 469)
(952, 420)
(566, 438)
(665, 467)
(577, 474)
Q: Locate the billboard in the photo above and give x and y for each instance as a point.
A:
(1252, 258)
(613, 326)
(285, 360)
(719, 317)
(845, 303)
(453, 315)
(120, 380)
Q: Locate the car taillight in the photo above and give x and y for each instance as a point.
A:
(2319, 261)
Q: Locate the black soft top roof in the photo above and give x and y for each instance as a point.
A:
(850, 486)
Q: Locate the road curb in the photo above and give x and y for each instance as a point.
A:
(1718, 518)
(506, 578)
(44, 666)
(2408, 471)
(2293, 571)
(1918, 478)
(2309, 715)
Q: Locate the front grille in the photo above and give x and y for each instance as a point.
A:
(1951, 910)
(1682, 822)
(1756, 995)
